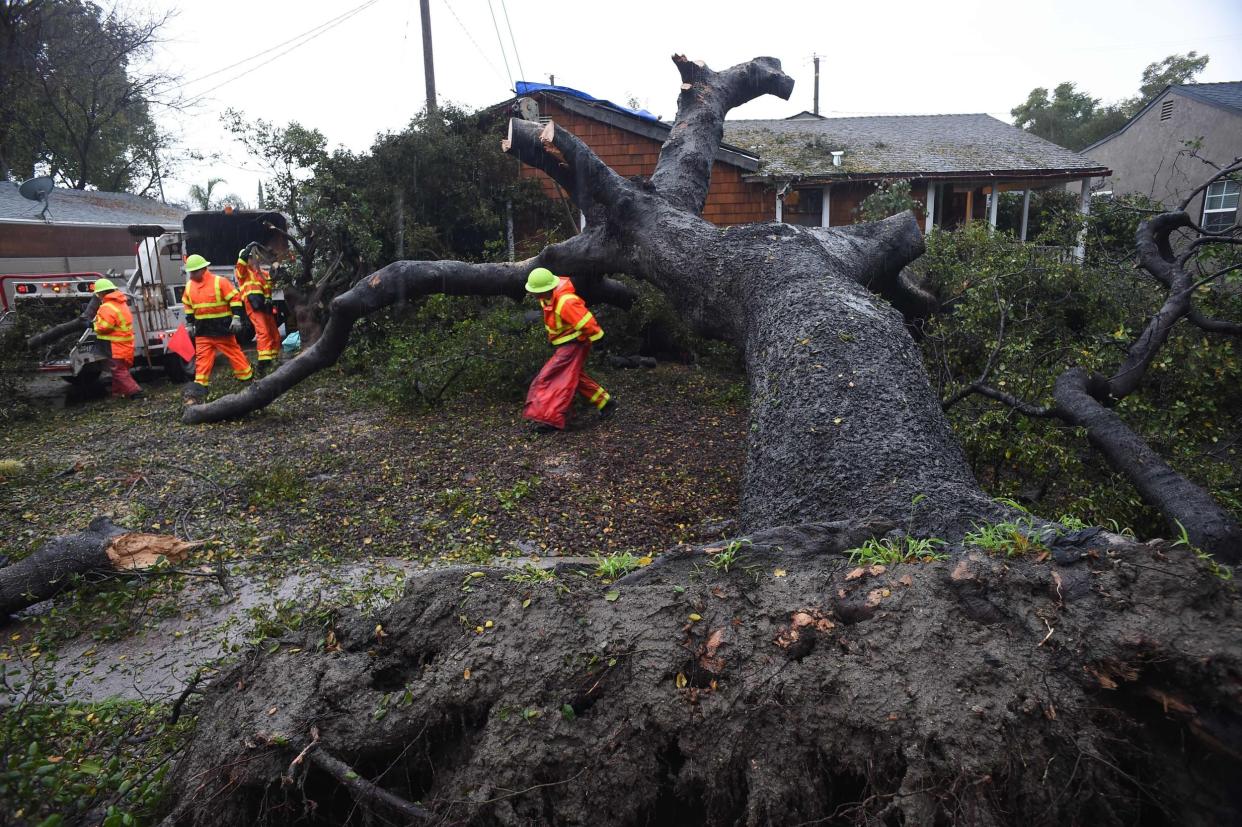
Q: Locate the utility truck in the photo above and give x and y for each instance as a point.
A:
(153, 285)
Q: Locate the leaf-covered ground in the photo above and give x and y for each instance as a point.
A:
(325, 486)
(324, 502)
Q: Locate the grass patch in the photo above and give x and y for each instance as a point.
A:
(276, 483)
(887, 552)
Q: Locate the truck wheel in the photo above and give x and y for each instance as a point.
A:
(178, 370)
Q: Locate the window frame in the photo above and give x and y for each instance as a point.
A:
(1223, 193)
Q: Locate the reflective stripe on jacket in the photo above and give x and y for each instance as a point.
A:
(114, 322)
(253, 281)
(566, 317)
(212, 298)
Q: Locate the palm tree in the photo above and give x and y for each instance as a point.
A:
(200, 197)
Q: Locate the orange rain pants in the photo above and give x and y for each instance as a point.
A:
(266, 333)
(552, 391)
(205, 348)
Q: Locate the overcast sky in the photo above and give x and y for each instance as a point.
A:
(354, 68)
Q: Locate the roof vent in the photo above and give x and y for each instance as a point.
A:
(836, 157)
(1166, 110)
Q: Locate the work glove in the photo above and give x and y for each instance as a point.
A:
(191, 329)
(235, 326)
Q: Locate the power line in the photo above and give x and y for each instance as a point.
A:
(336, 22)
(474, 42)
(505, 8)
(277, 46)
(501, 42)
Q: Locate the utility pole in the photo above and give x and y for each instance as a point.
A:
(429, 67)
(551, 80)
(815, 58)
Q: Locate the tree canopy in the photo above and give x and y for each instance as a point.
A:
(1074, 119)
(76, 95)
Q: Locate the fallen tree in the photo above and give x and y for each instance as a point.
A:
(1073, 678)
(104, 551)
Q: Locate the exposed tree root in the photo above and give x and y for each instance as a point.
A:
(1102, 689)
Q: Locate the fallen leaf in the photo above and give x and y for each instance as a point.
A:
(778, 573)
(526, 603)
(695, 617)
(856, 573)
(612, 596)
(681, 681)
(488, 624)
(465, 675)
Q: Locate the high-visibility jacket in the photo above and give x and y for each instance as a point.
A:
(210, 304)
(254, 283)
(566, 317)
(114, 324)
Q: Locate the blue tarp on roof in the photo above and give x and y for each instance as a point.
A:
(525, 88)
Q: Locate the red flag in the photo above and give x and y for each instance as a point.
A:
(180, 343)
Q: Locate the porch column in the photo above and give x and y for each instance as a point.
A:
(780, 208)
(1026, 210)
(929, 220)
(1084, 207)
(970, 206)
(992, 205)
(825, 218)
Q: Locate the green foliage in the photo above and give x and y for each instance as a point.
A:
(531, 574)
(889, 198)
(510, 497)
(904, 549)
(612, 566)
(727, 556)
(1057, 313)
(76, 92)
(447, 345)
(1213, 567)
(1074, 119)
(66, 762)
(1012, 538)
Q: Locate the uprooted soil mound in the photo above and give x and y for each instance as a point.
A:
(1096, 685)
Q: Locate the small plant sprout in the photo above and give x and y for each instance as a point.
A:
(888, 552)
(727, 556)
(615, 565)
(1214, 568)
(1011, 538)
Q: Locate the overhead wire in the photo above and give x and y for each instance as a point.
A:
(254, 57)
(516, 56)
(474, 42)
(324, 29)
(500, 41)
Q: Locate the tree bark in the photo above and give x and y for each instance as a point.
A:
(57, 332)
(103, 551)
(766, 680)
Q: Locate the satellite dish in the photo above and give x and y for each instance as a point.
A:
(36, 189)
(528, 109)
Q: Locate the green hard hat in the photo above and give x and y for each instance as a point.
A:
(196, 262)
(540, 280)
(103, 285)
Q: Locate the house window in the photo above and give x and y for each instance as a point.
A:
(803, 206)
(1220, 206)
(1166, 110)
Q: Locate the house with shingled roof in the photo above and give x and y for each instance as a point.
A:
(1152, 154)
(816, 171)
(75, 230)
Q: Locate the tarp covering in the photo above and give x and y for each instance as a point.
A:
(526, 88)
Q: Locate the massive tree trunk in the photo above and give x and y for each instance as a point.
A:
(781, 687)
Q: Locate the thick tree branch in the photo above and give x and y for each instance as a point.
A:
(366, 791)
(58, 332)
(399, 282)
(1180, 501)
(684, 170)
(566, 160)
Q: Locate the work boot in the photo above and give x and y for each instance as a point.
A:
(544, 428)
(610, 408)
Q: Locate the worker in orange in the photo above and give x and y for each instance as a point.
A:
(256, 294)
(114, 328)
(213, 311)
(571, 329)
